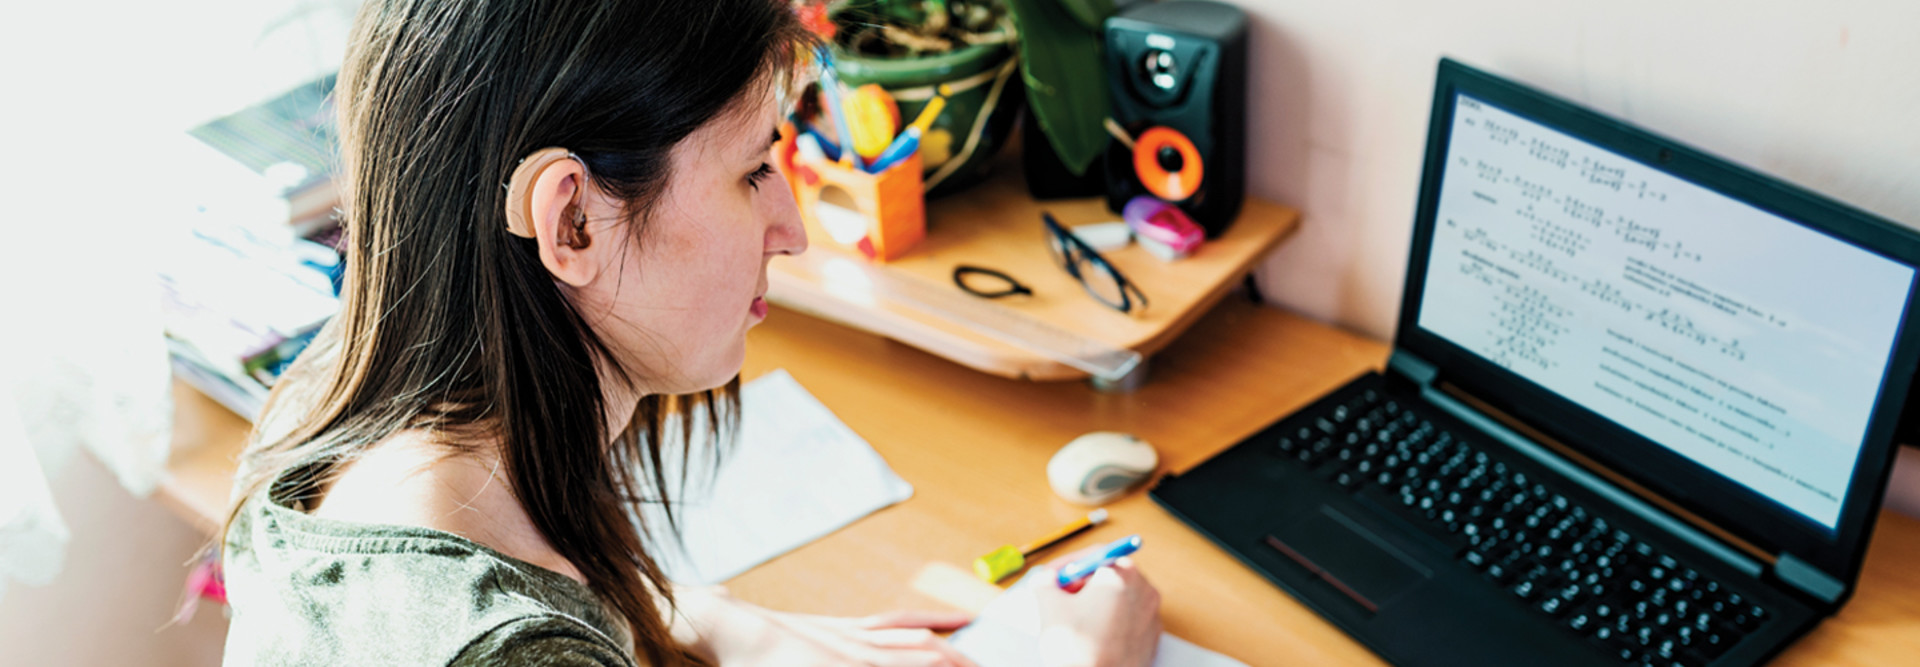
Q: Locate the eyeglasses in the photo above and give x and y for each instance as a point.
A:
(1099, 277)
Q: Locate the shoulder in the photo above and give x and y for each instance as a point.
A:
(309, 590)
(408, 480)
(543, 640)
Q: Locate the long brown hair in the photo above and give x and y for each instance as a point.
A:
(447, 322)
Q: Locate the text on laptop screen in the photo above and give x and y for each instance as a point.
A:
(1739, 339)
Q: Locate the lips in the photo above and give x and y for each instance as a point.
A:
(758, 307)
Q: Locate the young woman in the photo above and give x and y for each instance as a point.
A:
(559, 215)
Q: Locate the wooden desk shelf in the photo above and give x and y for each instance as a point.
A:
(996, 225)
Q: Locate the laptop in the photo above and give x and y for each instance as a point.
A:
(1639, 409)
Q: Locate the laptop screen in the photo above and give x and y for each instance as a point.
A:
(1741, 340)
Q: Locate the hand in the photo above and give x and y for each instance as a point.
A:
(1113, 621)
(732, 632)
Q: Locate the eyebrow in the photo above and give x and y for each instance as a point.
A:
(761, 151)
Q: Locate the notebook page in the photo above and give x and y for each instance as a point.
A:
(794, 474)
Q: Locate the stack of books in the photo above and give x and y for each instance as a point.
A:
(290, 141)
(244, 295)
(239, 306)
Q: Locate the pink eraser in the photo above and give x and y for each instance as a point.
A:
(1163, 223)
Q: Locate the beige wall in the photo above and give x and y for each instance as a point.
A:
(1822, 94)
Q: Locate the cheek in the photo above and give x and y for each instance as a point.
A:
(715, 275)
(690, 279)
(710, 268)
(680, 308)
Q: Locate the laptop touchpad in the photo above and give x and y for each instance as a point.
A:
(1348, 555)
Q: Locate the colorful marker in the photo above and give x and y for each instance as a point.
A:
(1075, 574)
(928, 114)
(909, 139)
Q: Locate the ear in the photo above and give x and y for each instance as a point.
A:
(547, 193)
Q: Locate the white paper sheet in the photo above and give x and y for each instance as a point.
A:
(795, 474)
(1007, 634)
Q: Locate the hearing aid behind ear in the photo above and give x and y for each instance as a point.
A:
(519, 207)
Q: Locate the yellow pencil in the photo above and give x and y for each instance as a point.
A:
(1007, 560)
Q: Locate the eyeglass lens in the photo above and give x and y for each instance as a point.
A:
(1101, 280)
(1103, 283)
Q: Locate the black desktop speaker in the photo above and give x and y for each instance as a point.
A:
(1177, 74)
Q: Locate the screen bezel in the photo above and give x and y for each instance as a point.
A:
(1741, 511)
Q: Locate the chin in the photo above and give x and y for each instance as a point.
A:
(718, 375)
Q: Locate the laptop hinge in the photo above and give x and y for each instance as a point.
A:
(1807, 579)
(1593, 482)
(1404, 364)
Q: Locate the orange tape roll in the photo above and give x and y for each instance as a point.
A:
(1167, 163)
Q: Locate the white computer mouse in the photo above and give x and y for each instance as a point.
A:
(1099, 466)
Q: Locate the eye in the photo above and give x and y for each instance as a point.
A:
(759, 175)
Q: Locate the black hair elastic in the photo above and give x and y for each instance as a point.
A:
(1013, 286)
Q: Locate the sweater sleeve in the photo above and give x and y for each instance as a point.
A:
(552, 641)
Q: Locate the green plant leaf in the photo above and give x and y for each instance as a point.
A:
(1090, 13)
(1060, 64)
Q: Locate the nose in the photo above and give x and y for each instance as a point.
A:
(786, 235)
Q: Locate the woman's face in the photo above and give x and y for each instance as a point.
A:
(675, 300)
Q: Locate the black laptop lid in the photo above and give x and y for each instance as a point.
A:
(1731, 342)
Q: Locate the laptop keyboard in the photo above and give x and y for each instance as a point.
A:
(1560, 559)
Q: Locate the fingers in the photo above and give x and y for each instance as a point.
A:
(1132, 578)
(1123, 579)
(901, 638)
(893, 639)
(911, 618)
(1123, 565)
(908, 636)
(1121, 573)
(950, 656)
(916, 646)
(1051, 577)
(1106, 578)
(1130, 574)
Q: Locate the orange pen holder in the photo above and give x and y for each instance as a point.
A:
(881, 216)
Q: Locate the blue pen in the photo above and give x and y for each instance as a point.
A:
(1076, 573)
(832, 150)
(830, 86)
(902, 146)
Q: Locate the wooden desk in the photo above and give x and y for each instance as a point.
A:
(975, 447)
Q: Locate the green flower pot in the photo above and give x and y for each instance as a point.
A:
(987, 94)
